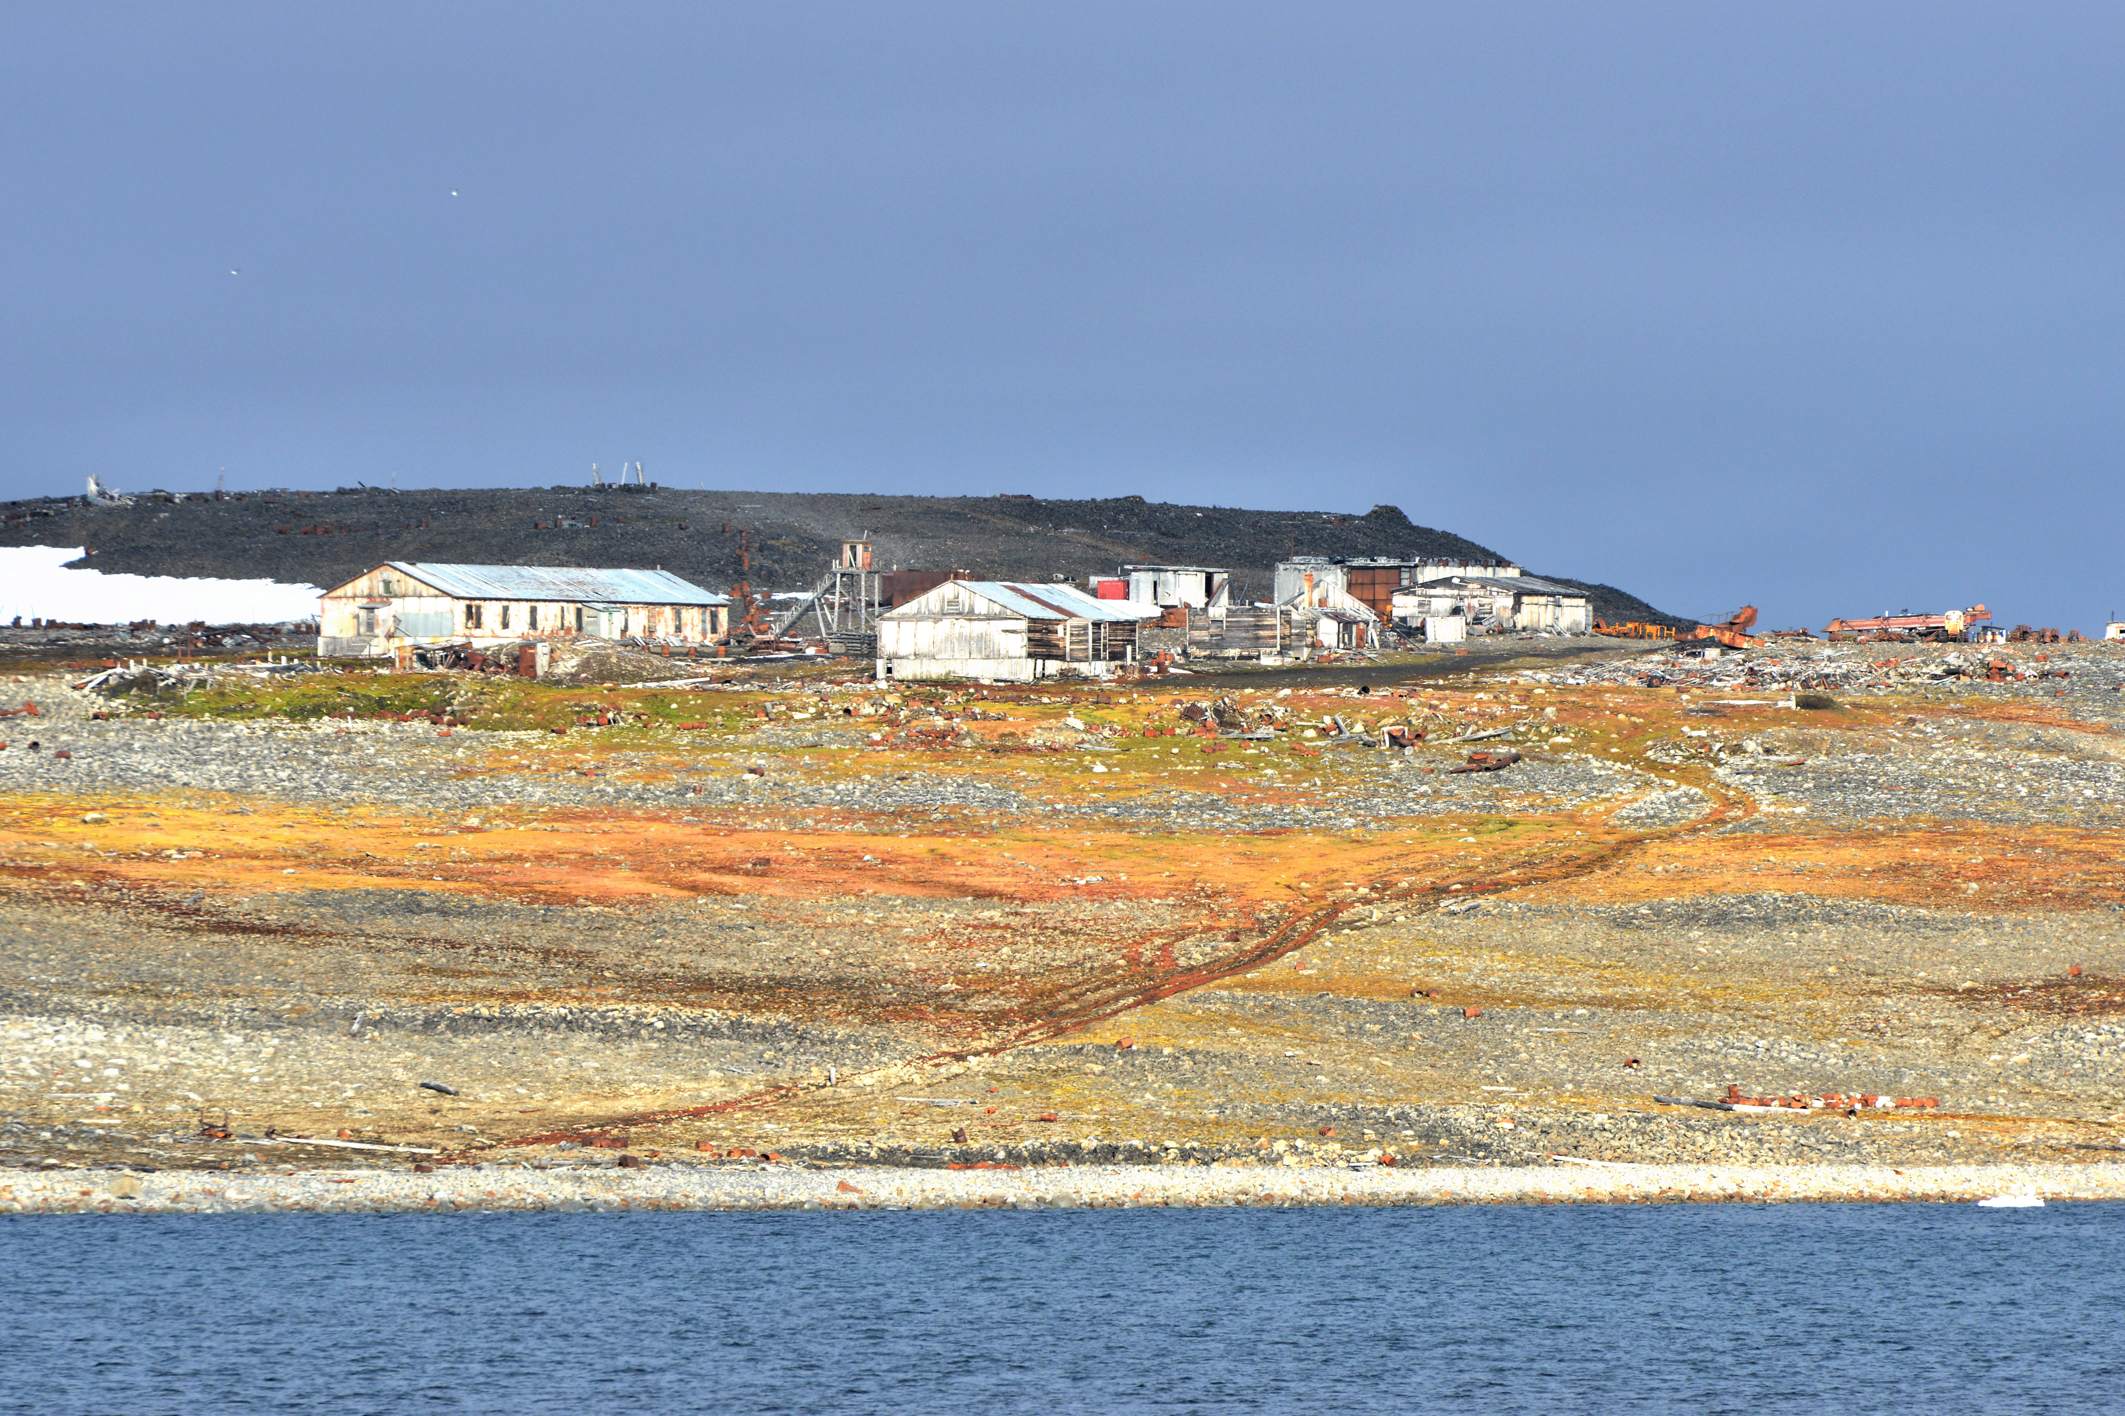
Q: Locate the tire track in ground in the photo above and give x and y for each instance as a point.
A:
(1075, 1010)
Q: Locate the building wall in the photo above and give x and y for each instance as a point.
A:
(1562, 614)
(983, 638)
(1163, 587)
(1376, 585)
(1240, 631)
(1443, 569)
(999, 670)
(978, 646)
(1291, 579)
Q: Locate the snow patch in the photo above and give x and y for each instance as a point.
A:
(35, 584)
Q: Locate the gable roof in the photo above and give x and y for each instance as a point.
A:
(558, 582)
(1526, 584)
(1035, 600)
(1329, 598)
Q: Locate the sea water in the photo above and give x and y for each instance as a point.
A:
(1846, 1308)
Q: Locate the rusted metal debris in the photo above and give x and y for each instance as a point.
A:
(2024, 634)
(1733, 631)
(513, 660)
(1634, 629)
(1489, 760)
(1948, 624)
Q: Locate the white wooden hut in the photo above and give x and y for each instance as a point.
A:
(1013, 631)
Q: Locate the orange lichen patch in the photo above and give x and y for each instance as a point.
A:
(1998, 867)
(2075, 996)
(616, 857)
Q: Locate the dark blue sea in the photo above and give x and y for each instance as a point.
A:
(1696, 1309)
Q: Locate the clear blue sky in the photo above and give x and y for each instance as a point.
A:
(1814, 305)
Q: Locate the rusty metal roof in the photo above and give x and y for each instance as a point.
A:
(558, 582)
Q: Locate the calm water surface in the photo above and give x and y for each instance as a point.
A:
(1720, 1308)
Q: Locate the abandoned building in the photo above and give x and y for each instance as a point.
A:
(1263, 632)
(1195, 587)
(1012, 631)
(1324, 615)
(1373, 580)
(403, 604)
(1496, 604)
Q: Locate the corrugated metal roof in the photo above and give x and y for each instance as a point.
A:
(1532, 584)
(1050, 601)
(559, 582)
(1065, 601)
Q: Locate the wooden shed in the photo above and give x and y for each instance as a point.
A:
(1007, 630)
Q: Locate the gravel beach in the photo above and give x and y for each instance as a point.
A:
(1103, 1187)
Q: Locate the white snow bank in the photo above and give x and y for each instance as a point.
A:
(35, 584)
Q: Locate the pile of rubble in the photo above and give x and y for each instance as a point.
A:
(1849, 669)
(593, 661)
(147, 636)
(173, 680)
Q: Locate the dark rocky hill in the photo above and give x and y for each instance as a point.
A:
(328, 537)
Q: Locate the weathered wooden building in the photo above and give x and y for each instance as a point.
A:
(1326, 616)
(1373, 580)
(1200, 587)
(1008, 630)
(409, 603)
(1499, 603)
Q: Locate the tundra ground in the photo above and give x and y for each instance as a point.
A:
(1176, 920)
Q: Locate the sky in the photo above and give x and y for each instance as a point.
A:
(1817, 306)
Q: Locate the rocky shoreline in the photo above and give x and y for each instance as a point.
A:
(680, 1187)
